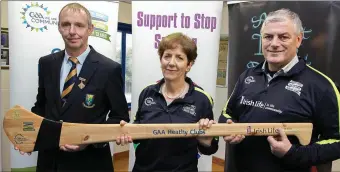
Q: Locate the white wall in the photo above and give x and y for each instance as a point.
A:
(4, 106)
(222, 92)
(4, 96)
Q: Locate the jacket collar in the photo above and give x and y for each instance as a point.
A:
(156, 88)
(286, 68)
(294, 68)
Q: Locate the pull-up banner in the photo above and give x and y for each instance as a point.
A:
(152, 20)
(320, 45)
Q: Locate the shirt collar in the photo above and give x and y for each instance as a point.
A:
(286, 68)
(81, 58)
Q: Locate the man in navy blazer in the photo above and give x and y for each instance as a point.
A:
(79, 85)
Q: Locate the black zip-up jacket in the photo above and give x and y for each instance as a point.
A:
(303, 94)
(175, 154)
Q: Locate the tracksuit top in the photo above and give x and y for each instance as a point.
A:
(298, 94)
(172, 154)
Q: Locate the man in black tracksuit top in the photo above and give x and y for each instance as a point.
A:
(177, 154)
(301, 94)
(295, 93)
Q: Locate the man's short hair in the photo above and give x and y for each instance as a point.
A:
(282, 15)
(76, 7)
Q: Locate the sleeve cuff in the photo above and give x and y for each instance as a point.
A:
(206, 149)
(290, 151)
(288, 158)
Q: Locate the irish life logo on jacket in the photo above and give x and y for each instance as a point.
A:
(259, 104)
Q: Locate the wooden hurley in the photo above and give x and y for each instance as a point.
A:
(30, 132)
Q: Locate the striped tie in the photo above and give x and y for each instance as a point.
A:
(71, 79)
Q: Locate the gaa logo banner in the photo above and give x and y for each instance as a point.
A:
(37, 17)
(101, 28)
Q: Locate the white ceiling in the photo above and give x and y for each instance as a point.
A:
(129, 1)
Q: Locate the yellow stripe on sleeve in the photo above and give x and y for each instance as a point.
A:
(335, 90)
(206, 94)
(224, 111)
(329, 141)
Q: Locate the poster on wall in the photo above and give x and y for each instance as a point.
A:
(4, 60)
(221, 80)
(320, 44)
(4, 38)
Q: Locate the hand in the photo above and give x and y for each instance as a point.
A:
(73, 148)
(233, 139)
(203, 125)
(123, 139)
(21, 152)
(279, 145)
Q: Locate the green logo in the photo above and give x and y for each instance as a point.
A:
(89, 99)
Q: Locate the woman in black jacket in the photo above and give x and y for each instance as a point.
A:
(173, 99)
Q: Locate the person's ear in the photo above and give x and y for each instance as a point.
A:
(91, 27)
(299, 40)
(189, 66)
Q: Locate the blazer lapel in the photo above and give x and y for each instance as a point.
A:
(87, 70)
(58, 60)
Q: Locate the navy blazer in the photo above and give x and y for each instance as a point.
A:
(102, 94)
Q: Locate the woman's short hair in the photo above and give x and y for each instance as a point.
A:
(173, 40)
